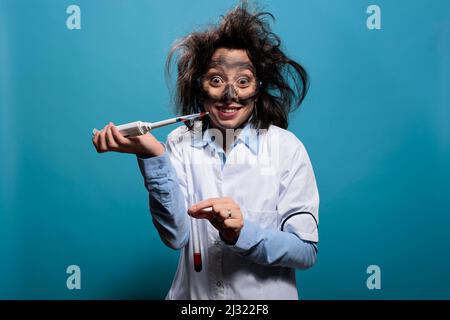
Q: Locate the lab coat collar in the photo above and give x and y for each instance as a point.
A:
(249, 136)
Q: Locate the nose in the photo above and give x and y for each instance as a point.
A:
(229, 93)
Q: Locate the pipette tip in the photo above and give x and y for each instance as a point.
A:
(192, 116)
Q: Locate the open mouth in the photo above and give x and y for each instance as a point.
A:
(228, 109)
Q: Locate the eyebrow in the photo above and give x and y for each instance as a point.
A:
(231, 64)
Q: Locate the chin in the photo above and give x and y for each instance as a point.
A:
(235, 119)
(229, 124)
(226, 124)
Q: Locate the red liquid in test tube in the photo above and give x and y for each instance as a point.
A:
(198, 264)
(197, 261)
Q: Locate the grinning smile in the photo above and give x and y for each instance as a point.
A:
(228, 112)
(228, 108)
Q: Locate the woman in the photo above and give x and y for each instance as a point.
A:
(245, 179)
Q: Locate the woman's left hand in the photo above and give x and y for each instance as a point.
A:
(225, 216)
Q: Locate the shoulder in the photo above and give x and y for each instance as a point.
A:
(289, 150)
(286, 140)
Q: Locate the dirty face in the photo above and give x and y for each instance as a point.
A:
(230, 88)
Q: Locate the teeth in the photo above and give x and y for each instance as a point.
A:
(228, 110)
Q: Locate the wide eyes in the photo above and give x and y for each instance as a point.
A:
(217, 81)
(243, 82)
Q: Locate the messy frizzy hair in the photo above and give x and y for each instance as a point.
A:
(284, 81)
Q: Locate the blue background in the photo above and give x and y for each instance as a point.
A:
(375, 124)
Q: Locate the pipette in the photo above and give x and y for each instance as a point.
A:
(138, 128)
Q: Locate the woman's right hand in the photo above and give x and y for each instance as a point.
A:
(110, 139)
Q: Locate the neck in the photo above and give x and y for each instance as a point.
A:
(226, 143)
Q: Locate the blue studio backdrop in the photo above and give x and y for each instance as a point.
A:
(375, 124)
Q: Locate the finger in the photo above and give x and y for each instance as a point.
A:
(95, 139)
(106, 136)
(235, 224)
(119, 138)
(206, 203)
(217, 212)
(216, 216)
(224, 213)
(217, 207)
(111, 142)
(208, 211)
(102, 140)
(202, 214)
